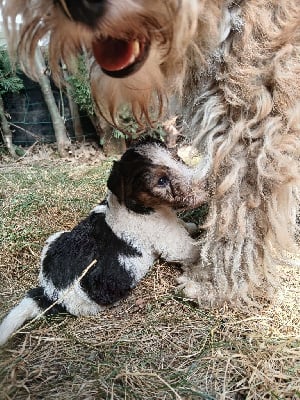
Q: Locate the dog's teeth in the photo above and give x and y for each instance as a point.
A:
(135, 51)
(136, 48)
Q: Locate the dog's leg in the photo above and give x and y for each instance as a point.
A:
(178, 246)
(25, 310)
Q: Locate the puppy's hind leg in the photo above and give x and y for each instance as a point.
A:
(35, 303)
(25, 310)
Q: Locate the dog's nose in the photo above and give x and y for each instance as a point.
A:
(87, 12)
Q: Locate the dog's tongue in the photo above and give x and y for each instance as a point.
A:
(115, 55)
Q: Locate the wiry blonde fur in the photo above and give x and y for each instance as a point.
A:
(245, 114)
(237, 66)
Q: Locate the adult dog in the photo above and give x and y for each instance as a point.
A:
(99, 261)
(236, 65)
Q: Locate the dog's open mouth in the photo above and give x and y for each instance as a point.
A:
(119, 58)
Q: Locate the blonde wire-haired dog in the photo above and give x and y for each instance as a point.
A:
(236, 66)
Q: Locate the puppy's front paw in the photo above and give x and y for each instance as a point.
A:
(191, 228)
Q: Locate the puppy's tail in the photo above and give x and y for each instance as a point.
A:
(30, 307)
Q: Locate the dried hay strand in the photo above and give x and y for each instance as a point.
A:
(154, 344)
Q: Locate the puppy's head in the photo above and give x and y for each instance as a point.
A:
(148, 177)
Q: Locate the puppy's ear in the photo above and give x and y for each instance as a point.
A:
(115, 181)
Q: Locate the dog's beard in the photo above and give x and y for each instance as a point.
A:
(163, 31)
(145, 87)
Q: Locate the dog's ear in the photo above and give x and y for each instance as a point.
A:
(115, 181)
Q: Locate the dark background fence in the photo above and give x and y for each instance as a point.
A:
(30, 119)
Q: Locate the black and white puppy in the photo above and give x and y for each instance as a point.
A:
(119, 240)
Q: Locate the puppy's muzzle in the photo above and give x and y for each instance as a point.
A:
(197, 194)
(117, 57)
(190, 196)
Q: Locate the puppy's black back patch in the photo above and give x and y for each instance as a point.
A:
(67, 257)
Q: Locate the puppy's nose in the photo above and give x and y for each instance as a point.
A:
(87, 12)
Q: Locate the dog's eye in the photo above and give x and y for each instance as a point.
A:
(163, 181)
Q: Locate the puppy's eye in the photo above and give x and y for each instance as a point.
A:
(163, 181)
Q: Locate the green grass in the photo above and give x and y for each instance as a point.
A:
(54, 193)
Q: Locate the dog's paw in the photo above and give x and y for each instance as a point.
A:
(191, 228)
(189, 288)
(203, 293)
